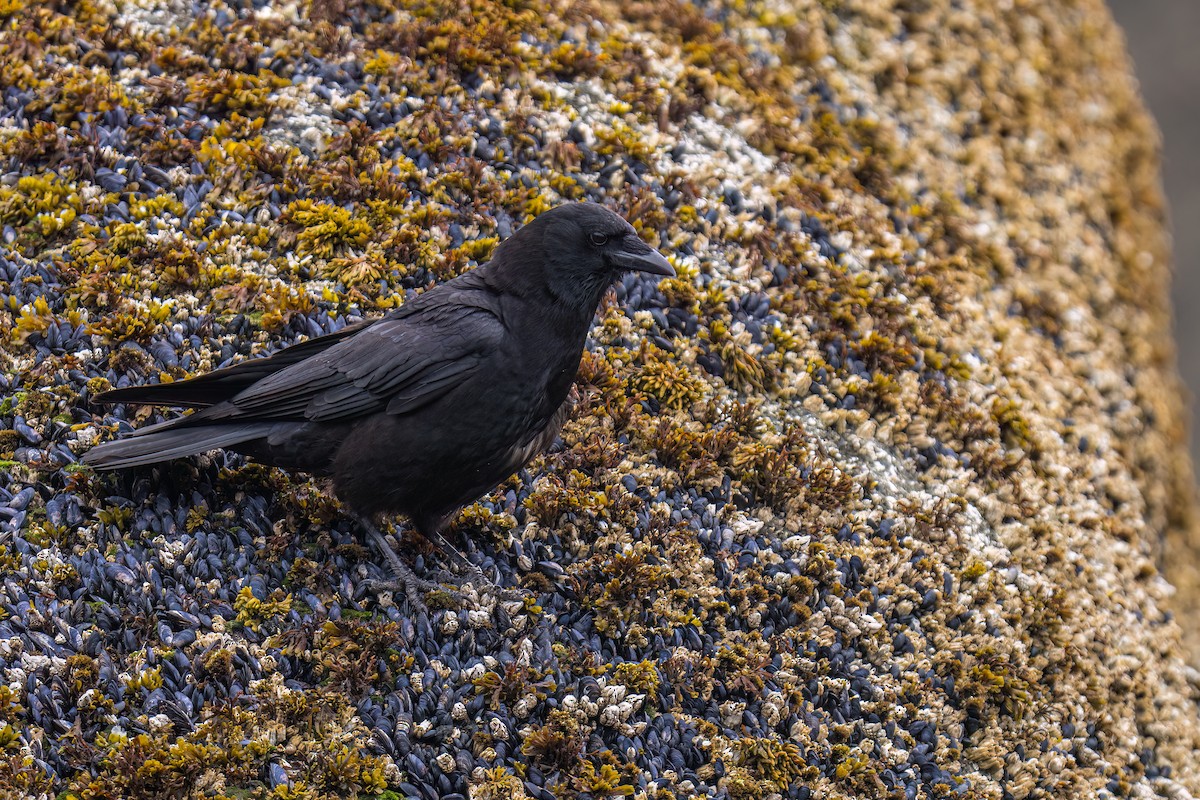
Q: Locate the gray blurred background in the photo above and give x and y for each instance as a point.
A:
(1164, 40)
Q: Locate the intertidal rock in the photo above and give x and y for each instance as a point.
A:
(869, 501)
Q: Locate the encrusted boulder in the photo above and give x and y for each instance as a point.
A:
(874, 499)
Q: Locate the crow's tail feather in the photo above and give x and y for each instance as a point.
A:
(171, 443)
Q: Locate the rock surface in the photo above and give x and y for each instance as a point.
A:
(869, 501)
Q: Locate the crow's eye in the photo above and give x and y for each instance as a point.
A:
(598, 239)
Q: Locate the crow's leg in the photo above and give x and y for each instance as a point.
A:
(430, 526)
(406, 580)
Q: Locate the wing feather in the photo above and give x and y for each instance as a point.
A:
(433, 384)
(396, 365)
(218, 386)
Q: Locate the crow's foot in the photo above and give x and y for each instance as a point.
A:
(473, 575)
(463, 573)
(415, 591)
(406, 582)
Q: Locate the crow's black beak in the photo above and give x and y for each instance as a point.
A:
(636, 255)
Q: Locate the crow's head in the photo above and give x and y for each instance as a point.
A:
(584, 247)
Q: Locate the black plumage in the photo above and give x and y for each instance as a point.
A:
(428, 407)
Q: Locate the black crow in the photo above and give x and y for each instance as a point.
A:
(425, 409)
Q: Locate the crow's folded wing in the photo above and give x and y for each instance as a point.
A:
(220, 385)
(395, 365)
